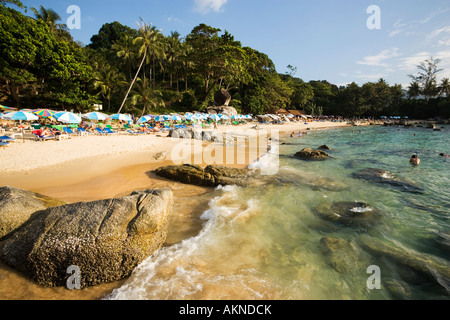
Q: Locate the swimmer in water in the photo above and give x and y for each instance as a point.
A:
(415, 160)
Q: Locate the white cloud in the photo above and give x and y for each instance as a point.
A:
(410, 63)
(205, 6)
(380, 59)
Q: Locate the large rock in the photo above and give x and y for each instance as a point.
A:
(310, 154)
(222, 98)
(211, 176)
(342, 255)
(105, 239)
(17, 206)
(385, 177)
(349, 213)
(229, 111)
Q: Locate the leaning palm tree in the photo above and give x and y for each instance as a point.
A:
(147, 37)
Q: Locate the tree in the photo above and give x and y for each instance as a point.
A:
(414, 90)
(108, 81)
(444, 87)
(125, 50)
(146, 96)
(15, 2)
(108, 34)
(50, 18)
(426, 77)
(173, 53)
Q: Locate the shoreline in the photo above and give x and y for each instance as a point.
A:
(108, 175)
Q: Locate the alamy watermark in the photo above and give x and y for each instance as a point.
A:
(374, 21)
(74, 21)
(374, 281)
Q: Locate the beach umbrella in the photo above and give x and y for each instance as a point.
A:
(20, 115)
(224, 117)
(44, 113)
(144, 119)
(162, 118)
(121, 116)
(7, 108)
(175, 118)
(67, 117)
(214, 117)
(99, 116)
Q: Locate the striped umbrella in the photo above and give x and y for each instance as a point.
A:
(214, 117)
(44, 113)
(99, 116)
(20, 115)
(7, 108)
(144, 119)
(175, 118)
(120, 116)
(67, 117)
(162, 118)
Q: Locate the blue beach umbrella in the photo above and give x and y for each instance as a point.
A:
(67, 117)
(21, 115)
(214, 117)
(144, 119)
(224, 117)
(99, 116)
(120, 116)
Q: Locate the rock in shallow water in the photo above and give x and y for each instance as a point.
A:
(310, 154)
(349, 213)
(105, 239)
(385, 177)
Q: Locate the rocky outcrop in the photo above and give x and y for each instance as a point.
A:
(207, 135)
(349, 213)
(17, 206)
(105, 239)
(222, 98)
(385, 177)
(310, 154)
(211, 176)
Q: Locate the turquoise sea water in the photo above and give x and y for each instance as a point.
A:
(274, 241)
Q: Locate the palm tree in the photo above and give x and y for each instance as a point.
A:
(126, 50)
(50, 17)
(109, 82)
(144, 38)
(173, 52)
(444, 87)
(414, 90)
(146, 96)
(150, 41)
(185, 58)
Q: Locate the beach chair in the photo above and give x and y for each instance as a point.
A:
(135, 132)
(4, 144)
(108, 130)
(100, 131)
(7, 139)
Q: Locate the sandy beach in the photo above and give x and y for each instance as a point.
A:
(99, 167)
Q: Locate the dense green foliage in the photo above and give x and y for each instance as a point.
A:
(141, 71)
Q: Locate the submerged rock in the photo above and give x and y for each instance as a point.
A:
(434, 268)
(105, 239)
(17, 206)
(211, 176)
(341, 255)
(310, 154)
(349, 213)
(385, 177)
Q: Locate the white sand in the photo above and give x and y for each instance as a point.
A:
(21, 157)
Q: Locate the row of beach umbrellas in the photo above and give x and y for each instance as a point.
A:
(73, 118)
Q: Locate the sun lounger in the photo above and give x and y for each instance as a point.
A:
(4, 144)
(7, 139)
(135, 132)
(108, 131)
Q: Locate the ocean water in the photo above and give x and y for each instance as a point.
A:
(316, 229)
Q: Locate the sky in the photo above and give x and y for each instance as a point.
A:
(340, 41)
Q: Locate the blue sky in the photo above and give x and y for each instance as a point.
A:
(324, 39)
